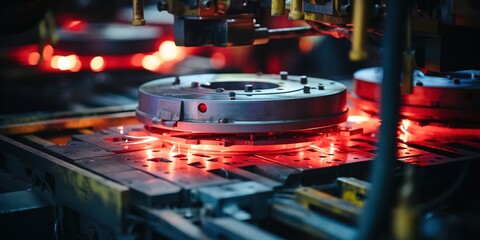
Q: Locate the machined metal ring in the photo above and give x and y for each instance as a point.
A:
(241, 103)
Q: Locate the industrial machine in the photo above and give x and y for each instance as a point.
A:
(391, 152)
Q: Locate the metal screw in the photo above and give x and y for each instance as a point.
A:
(346, 9)
(321, 86)
(248, 88)
(303, 79)
(306, 89)
(456, 81)
(223, 120)
(283, 75)
(418, 83)
(206, 4)
(177, 80)
(161, 6)
(194, 84)
(156, 120)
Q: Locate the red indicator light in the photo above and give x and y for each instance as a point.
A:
(202, 107)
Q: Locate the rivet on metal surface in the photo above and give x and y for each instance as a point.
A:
(303, 79)
(283, 75)
(321, 86)
(156, 120)
(206, 4)
(306, 89)
(161, 6)
(248, 88)
(223, 120)
(418, 83)
(177, 80)
(232, 95)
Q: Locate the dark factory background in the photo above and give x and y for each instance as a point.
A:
(188, 128)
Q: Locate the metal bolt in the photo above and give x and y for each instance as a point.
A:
(346, 9)
(156, 120)
(303, 79)
(321, 86)
(456, 81)
(161, 6)
(177, 80)
(194, 84)
(219, 89)
(248, 88)
(306, 89)
(418, 83)
(223, 120)
(206, 4)
(283, 75)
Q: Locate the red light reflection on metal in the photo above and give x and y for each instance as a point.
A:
(140, 139)
(405, 135)
(358, 119)
(75, 25)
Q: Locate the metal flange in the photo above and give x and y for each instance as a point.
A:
(241, 103)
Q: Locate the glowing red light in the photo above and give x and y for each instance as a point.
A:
(137, 59)
(202, 107)
(218, 60)
(66, 63)
(358, 119)
(151, 62)
(168, 51)
(75, 25)
(306, 44)
(97, 64)
(47, 52)
(33, 58)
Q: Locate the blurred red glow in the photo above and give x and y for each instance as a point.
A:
(47, 52)
(151, 62)
(218, 60)
(168, 51)
(358, 119)
(33, 58)
(97, 64)
(136, 59)
(75, 25)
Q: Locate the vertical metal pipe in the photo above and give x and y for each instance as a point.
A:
(296, 10)
(359, 38)
(376, 216)
(277, 7)
(138, 18)
(408, 60)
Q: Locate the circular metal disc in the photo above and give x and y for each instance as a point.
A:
(241, 103)
(454, 99)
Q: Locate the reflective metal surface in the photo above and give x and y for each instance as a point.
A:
(452, 98)
(241, 103)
